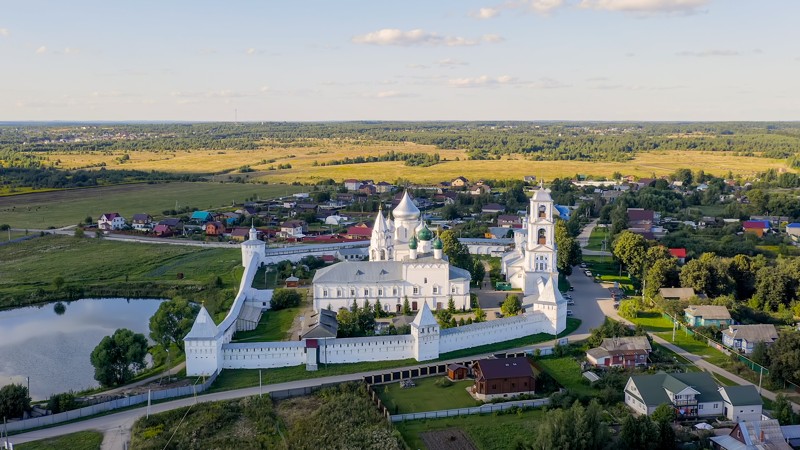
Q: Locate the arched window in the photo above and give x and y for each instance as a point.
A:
(383, 255)
(542, 239)
(542, 212)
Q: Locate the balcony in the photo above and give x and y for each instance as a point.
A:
(684, 403)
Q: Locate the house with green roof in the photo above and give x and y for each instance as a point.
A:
(692, 395)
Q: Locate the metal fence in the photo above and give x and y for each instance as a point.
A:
(483, 409)
(98, 408)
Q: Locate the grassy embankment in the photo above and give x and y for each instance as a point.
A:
(83, 440)
(103, 268)
(242, 378)
(303, 158)
(62, 208)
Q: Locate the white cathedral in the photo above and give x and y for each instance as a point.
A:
(405, 261)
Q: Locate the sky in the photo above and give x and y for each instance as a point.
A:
(641, 60)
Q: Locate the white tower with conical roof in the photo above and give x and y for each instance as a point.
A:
(540, 248)
(253, 248)
(425, 331)
(381, 244)
(203, 346)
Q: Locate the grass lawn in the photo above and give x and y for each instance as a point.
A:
(274, 326)
(61, 208)
(498, 432)
(83, 440)
(567, 372)
(240, 378)
(597, 237)
(426, 396)
(699, 348)
(32, 265)
(270, 281)
(653, 321)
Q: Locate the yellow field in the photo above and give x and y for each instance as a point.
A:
(302, 159)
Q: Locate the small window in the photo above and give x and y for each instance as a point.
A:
(416, 290)
(425, 280)
(366, 291)
(380, 292)
(324, 292)
(352, 292)
(394, 291)
(453, 290)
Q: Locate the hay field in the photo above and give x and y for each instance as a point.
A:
(302, 159)
(61, 208)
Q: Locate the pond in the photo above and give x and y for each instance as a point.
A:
(51, 343)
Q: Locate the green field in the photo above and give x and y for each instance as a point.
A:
(425, 396)
(62, 208)
(488, 432)
(109, 267)
(83, 440)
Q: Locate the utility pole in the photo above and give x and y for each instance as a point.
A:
(760, 376)
(260, 392)
(148, 403)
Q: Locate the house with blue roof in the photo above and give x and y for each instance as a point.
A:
(202, 216)
(793, 230)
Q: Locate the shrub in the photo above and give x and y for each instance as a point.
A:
(443, 382)
(285, 298)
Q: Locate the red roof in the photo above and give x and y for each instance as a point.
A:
(635, 214)
(678, 252)
(161, 229)
(359, 231)
(110, 216)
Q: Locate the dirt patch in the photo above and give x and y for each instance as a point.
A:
(301, 326)
(447, 439)
(292, 409)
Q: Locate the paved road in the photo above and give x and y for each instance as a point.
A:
(587, 294)
(583, 240)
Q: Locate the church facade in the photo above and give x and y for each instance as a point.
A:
(406, 261)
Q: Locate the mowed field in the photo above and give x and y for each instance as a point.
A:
(303, 158)
(62, 208)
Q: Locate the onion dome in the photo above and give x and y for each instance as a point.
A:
(412, 244)
(406, 209)
(425, 234)
(438, 244)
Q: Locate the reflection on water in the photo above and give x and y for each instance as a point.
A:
(51, 344)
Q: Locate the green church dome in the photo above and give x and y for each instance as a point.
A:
(438, 244)
(425, 234)
(412, 244)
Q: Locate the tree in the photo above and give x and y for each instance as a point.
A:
(707, 274)
(664, 413)
(59, 403)
(666, 436)
(480, 315)
(760, 354)
(378, 309)
(478, 272)
(79, 233)
(457, 252)
(285, 298)
(117, 358)
(630, 249)
(88, 220)
(569, 251)
(14, 401)
(406, 306)
(444, 317)
(172, 322)
(58, 283)
(638, 432)
(628, 309)
(451, 305)
(575, 427)
(512, 306)
(663, 273)
(782, 410)
(784, 357)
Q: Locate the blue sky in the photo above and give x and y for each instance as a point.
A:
(410, 60)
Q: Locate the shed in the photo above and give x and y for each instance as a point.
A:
(292, 282)
(456, 371)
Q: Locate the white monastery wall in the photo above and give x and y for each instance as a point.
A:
(493, 331)
(263, 355)
(373, 348)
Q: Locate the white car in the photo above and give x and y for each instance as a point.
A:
(570, 302)
(569, 312)
(588, 273)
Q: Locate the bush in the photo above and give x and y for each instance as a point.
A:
(443, 382)
(59, 403)
(285, 298)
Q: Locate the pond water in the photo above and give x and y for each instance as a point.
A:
(53, 349)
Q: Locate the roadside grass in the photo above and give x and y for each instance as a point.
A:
(241, 378)
(425, 396)
(699, 348)
(653, 321)
(33, 265)
(488, 432)
(82, 440)
(597, 237)
(69, 207)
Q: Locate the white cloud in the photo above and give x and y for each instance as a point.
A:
(4, 32)
(481, 81)
(71, 51)
(492, 38)
(41, 50)
(708, 53)
(394, 94)
(485, 13)
(450, 62)
(543, 6)
(416, 66)
(645, 6)
(394, 36)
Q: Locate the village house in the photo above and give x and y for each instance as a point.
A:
(640, 220)
(351, 254)
(352, 184)
(530, 179)
(360, 231)
(620, 352)
(383, 187)
(679, 254)
(745, 337)
(239, 234)
(293, 229)
(162, 230)
(679, 293)
(492, 208)
(459, 182)
(793, 230)
(692, 395)
(201, 217)
(481, 189)
(142, 222)
(757, 227)
(174, 224)
(502, 377)
(111, 221)
(214, 228)
(509, 221)
(753, 434)
(456, 371)
(707, 315)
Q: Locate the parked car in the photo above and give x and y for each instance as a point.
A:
(588, 273)
(570, 302)
(571, 288)
(569, 312)
(583, 265)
